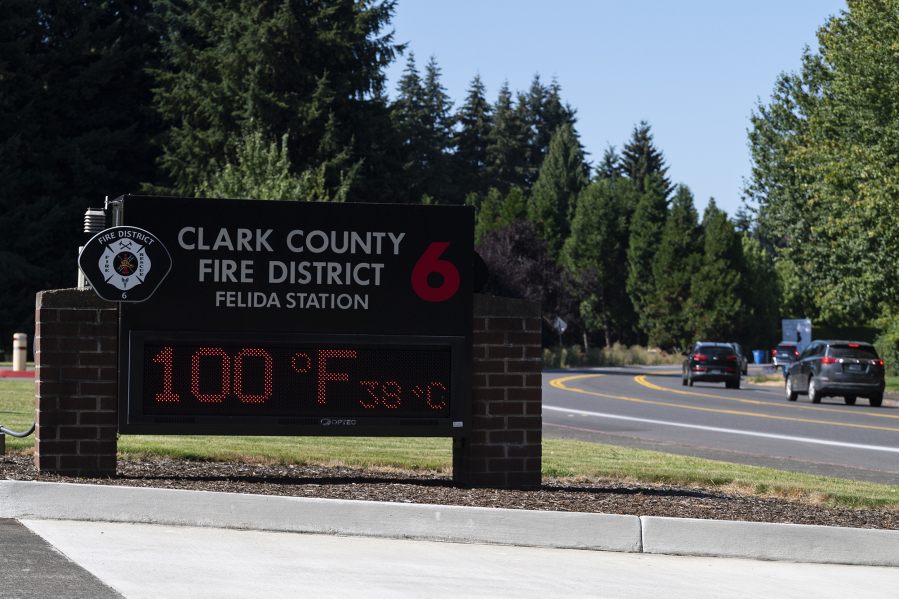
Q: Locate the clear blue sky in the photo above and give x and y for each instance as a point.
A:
(693, 68)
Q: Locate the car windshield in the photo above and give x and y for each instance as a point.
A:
(716, 352)
(787, 348)
(845, 351)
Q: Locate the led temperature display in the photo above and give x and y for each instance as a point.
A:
(213, 379)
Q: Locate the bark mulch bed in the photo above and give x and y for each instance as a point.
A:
(366, 485)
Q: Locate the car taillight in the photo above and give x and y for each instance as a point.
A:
(795, 352)
(880, 362)
(853, 345)
(731, 358)
(773, 352)
(828, 360)
(698, 357)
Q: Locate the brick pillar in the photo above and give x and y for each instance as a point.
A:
(76, 400)
(505, 446)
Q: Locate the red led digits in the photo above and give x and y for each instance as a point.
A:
(165, 358)
(429, 263)
(442, 393)
(195, 373)
(370, 387)
(395, 400)
(299, 381)
(296, 365)
(238, 372)
(324, 376)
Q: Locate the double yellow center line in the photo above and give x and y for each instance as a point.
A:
(641, 379)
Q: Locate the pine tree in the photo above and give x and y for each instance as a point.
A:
(311, 70)
(514, 208)
(488, 214)
(640, 158)
(262, 172)
(610, 166)
(507, 158)
(646, 229)
(543, 114)
(715, 308)
(475, 120)
(595, 255)
(411, 115)
(678, 258)
(439, 121)
(76, 127)
(554, 197)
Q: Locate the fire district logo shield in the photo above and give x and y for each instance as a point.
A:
(126, 264)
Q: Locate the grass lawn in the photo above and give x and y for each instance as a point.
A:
(892, 383)
(561, 459)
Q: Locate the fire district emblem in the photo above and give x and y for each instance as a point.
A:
(124, 264)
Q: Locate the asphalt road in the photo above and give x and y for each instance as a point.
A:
(648, 408)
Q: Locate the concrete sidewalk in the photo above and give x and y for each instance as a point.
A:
(471, 525)
(143, 561)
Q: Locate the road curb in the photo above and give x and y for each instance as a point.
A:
(770, 541)
(457, 524)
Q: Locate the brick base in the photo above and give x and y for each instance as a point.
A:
(505, 446)
(76, 401)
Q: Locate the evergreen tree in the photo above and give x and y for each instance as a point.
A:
(311, 70)
(410, 115)
(646, 227)
(440, 122)
(543, 113)
(640, 158)
(761, 295)
(715, 310)
(595, 255)
(475, 120)
(507, 158)
(488, 214)
(74, 111)
(554, 197)
(610, 167)
(262, 172)
(678, 258)
(514, 208)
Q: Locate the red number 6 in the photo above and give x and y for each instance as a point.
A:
(429, 263)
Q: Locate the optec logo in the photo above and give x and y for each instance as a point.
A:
(329, 422)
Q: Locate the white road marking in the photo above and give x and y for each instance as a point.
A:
(727, 430)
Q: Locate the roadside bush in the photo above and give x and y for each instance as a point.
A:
(573, 356)
(887, 345)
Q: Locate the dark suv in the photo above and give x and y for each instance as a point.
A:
(826, 368)
(786, 353)
(712, 363)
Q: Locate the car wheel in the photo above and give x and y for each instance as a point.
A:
(876, 401)
(727, 385)
(788, 386)
(736, 384)
(813, 394)
(683, 379)
(849, 399)
(689, 380)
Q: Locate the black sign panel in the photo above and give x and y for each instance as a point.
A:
(124, 264)
(280, 317)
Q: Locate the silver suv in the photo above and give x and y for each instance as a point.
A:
(851, 369)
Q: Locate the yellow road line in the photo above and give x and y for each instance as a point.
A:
(642, 380)
(559, 384)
